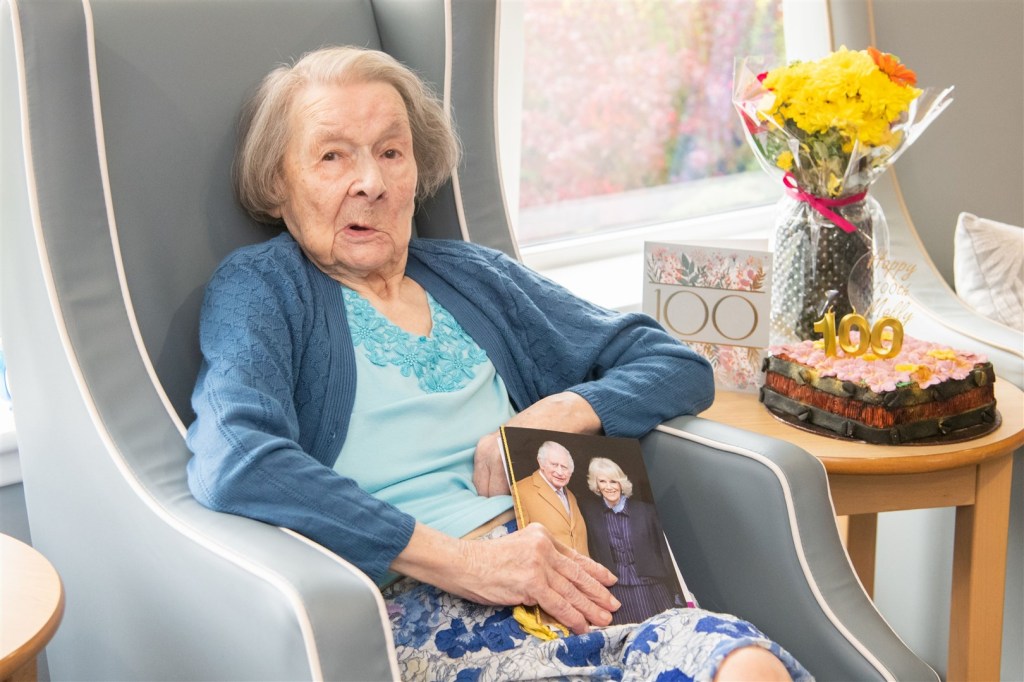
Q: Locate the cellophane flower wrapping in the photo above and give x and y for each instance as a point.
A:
(827, 130)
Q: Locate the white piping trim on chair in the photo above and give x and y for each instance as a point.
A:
(101, 147)
(798, 546)
(381, 606)
(497, 131)
(460, 210)
(943, 284)
(108, 442)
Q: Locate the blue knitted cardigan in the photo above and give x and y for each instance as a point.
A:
(277, 382)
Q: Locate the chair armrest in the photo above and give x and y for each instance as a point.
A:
(319, 610)
(752, 526)
(159, 587)
(165, 587)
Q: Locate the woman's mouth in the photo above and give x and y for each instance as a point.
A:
(359, 231)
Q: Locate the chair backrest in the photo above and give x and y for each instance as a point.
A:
(115, 211)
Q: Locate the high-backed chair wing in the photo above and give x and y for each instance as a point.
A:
(472, 206)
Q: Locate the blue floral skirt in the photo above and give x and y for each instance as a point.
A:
(439, 636)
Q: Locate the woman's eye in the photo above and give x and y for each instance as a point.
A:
(330, 156)
(391, 154)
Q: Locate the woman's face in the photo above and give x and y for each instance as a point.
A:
(349, 180)
(610, 489)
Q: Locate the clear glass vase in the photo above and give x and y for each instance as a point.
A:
(819, 266)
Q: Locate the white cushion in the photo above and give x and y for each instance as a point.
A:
(988, 268)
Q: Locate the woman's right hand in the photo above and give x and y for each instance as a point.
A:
(528, 567)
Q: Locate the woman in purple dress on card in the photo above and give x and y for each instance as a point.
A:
(625, 536)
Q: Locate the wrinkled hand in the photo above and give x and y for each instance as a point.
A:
(530, 567)
(489, 467)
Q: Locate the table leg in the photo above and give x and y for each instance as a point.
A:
(979, 576)
(861, 537)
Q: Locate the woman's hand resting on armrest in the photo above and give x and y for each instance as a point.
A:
(568, 412)
(528, 567)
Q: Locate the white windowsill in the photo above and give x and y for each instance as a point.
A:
(608, 269)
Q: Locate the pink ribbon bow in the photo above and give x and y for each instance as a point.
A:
(824, 205)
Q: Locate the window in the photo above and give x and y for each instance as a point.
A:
(617, 127)
(627, 117)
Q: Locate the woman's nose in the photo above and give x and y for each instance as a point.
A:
(368, 180)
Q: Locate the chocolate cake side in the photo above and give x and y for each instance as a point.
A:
(903, 415)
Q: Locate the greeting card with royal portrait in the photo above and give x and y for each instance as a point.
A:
(716, 297)
(594, 495)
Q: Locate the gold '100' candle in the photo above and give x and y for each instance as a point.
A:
(869, 336)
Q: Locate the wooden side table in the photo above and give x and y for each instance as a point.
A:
(973, 476)
(31, 604)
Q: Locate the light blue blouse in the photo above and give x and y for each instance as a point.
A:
(445, 393)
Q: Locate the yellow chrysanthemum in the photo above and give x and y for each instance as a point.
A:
(785, 160)
(845, 91)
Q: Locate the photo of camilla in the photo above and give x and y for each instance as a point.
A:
(593, 494)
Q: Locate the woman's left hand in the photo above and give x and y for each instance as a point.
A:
(567, 412)
(489, 466)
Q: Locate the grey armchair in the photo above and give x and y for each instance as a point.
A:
(117, 132)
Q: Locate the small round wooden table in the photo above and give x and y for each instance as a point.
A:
(974, 476)
(31, 606)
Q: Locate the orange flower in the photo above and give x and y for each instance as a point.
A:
(891, 66)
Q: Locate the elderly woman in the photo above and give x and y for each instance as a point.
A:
(354, 378)
(626, 537)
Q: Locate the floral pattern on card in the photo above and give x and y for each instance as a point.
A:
(736, 367)
(709, 269)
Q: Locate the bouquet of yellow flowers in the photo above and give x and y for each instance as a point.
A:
(828, 129)
(835, 124)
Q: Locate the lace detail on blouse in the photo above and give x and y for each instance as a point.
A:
(442, 362)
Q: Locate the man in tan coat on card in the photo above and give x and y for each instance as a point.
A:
(544, 497)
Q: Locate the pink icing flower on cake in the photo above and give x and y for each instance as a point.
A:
(925, 363)
(880, 380)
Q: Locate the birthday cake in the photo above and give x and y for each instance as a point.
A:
(927, 391)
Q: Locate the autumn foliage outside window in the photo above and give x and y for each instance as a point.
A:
(627, 95)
